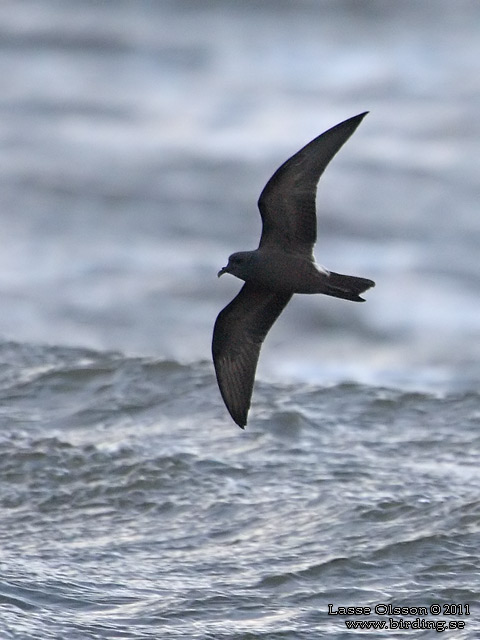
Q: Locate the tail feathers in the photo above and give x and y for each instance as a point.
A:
(347, 287)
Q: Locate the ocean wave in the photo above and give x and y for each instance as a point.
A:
(130, 499)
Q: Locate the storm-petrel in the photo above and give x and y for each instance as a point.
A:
(282, 265)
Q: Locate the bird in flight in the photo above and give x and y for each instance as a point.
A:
(282, 265)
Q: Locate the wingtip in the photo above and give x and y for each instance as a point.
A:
(343, 130)
(358, 118)
(238, 416)
(241, 422)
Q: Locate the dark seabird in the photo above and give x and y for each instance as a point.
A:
(282, 265)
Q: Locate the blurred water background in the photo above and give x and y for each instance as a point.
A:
(135, 138)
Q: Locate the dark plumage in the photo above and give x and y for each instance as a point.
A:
(282, 265)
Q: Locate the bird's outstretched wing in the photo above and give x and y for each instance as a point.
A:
(239, 331)
(287, 203)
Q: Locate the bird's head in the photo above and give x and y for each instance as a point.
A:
(239, 264)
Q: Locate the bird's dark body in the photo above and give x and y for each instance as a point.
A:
(268, 268)
(282, 265)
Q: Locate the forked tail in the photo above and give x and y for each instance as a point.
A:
(347, 287)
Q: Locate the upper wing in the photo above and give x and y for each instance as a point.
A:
(237, 337)
(287, 203)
